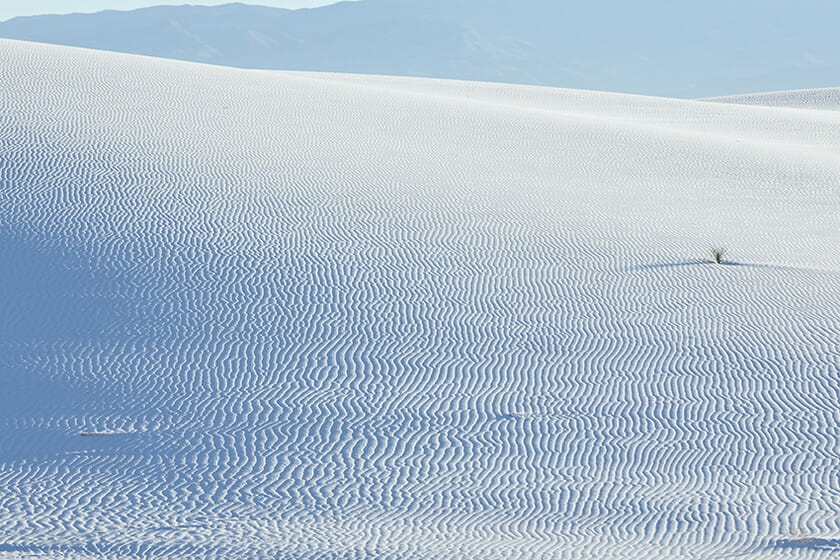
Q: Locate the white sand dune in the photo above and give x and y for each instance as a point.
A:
(346, 317)
(827, 99)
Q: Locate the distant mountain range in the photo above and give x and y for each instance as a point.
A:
(655, 47)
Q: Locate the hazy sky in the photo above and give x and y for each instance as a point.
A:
(13, 8)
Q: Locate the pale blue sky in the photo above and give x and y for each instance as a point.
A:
(14, 8)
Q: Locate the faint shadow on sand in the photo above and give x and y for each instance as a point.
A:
(99, 549)
(709, 263)
(809, 543)
(48, 298)
(669, 265)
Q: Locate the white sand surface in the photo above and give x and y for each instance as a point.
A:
(313, 316)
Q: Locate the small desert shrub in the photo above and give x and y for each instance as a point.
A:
(718, 255)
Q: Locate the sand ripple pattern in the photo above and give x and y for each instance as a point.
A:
(250, 315)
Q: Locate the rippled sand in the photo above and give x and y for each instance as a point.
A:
(249, 314)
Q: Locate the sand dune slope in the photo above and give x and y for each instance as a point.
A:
(285, 315)
(827, 99)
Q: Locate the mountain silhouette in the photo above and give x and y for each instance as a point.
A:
(654, 47)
